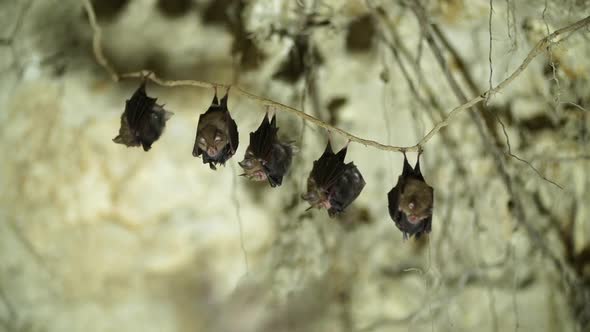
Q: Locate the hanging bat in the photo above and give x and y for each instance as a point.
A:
(411, 202)
(332, 184)
(143, 121)
(217, 134)
(266, 157)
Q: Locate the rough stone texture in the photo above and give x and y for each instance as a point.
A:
(98, 237)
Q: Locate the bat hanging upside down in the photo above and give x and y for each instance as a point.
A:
(411, 202)
(266, 157)
(217, 134)
(142, 121)
(332, 184)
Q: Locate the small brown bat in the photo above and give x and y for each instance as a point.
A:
(266, 157)
(332, 184)
(411, 202)
(217, 134)
(143, 121)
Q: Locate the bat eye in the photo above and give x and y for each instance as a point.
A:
(217, 139)
(202, 140)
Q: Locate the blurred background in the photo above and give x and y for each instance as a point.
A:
(95, 236)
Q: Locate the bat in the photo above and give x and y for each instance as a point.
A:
(332, 184)
(217, 134)
(142, 121)
(411, 202)
(266, 157)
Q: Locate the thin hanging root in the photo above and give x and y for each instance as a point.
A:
(542, 46)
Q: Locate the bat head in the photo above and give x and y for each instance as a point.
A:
(127, 136)
(416, 200)
(266, 157)
(211, 141)
(217, 134)
(316, 196)
(253, 167)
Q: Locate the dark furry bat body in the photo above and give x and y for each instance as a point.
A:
(411, 202)
(217, 134)
(332, 184)
(143, 121)
(266, 157)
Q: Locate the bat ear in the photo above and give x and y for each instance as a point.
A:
(167, 115)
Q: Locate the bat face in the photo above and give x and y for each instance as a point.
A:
(332, 184)
(416, 201)
(143, 121)
(266, 157)
(253, 167)
(411, 202)
(211, 139)
(217, 134)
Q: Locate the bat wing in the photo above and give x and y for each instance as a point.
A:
(264, 138)
(416, 173)
(278, 163)
(393, 199)
(138, 106)
(329, 168)
(196, 150)
(152, 126)
(233, 136)
(232, 127)
(347, 188)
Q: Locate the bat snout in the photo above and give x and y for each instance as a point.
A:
(211, 151)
